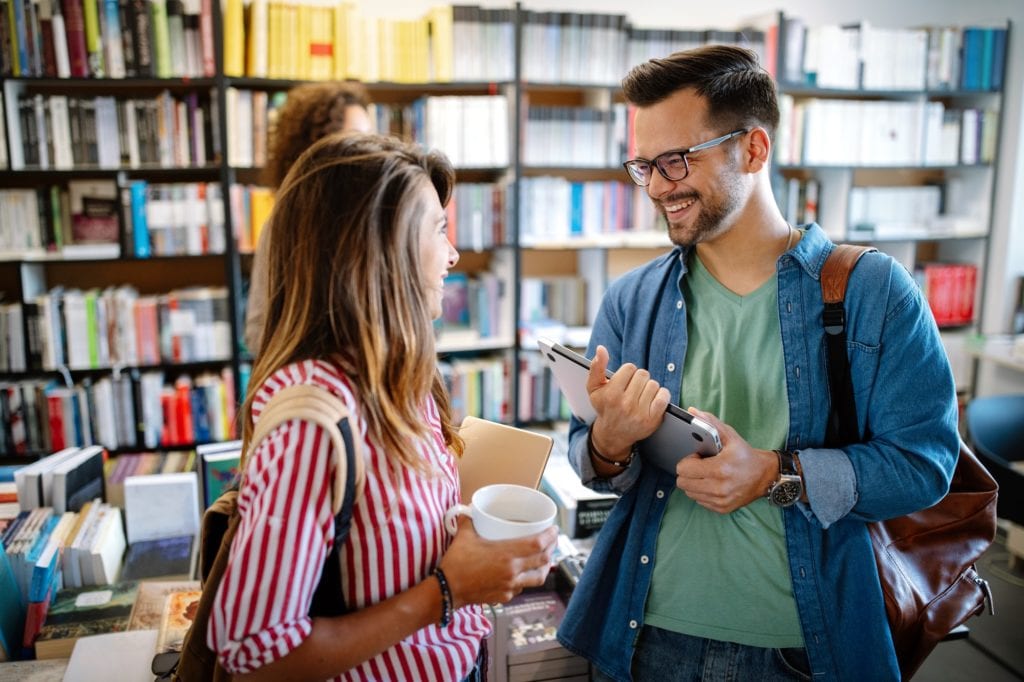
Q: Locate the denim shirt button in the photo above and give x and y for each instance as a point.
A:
(633, 624)
(671, 367)
(679, 305)
(645, 559)
(660, 494)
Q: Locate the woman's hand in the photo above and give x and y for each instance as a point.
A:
(483, 571)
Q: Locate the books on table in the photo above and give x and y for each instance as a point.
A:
(160, 558)
(83, 612)
(218, 468)
(150, 600)
(161, 506)
(123, 656)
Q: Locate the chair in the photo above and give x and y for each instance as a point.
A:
(995, 430)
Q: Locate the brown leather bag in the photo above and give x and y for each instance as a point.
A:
(925, 559)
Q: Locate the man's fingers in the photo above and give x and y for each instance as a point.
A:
(598, 367)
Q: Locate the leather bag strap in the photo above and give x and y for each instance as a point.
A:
(835, 275)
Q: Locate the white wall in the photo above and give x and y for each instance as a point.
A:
(1006, 247)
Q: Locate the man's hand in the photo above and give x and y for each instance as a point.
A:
(733, 478)
(629, 405)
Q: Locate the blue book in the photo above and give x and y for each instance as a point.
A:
(987, 35)
(12, 614)
(140, 227)
(998, 58)
(200, 415)
(576, 204)
(971, 66)
(32, 556)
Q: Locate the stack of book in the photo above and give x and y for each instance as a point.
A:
(526, 647)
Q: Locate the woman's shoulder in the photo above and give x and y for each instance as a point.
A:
(321, 373)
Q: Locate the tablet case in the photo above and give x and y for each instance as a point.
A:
(498, 453)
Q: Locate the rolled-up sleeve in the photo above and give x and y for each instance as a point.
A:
(260, 612)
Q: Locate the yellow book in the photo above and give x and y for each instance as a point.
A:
(321, 41)
(258, 49)
(441, 53)
(421, 51)
(261, 203)
(304, 34)
(342, 18)
(234, 38)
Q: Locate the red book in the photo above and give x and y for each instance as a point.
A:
(55, 410)
(183, 410)
(74, 29)
(169, 435)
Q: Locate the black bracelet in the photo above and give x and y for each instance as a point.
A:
(446, 598)
(614, 462)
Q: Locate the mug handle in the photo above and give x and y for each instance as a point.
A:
(451, 523)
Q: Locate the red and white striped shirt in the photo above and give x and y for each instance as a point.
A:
(397, 537)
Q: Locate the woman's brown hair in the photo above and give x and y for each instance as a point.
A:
(343, 285)
(311, 111)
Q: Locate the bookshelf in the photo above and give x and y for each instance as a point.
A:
(889, 138)
(535, 123)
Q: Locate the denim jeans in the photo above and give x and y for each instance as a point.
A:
(666, 656)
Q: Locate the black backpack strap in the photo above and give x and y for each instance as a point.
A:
(835, 275)
(328, 599)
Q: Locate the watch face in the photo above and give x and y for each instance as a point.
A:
(786, 492)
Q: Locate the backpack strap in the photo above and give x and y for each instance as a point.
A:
(835, 275)
(315, 404)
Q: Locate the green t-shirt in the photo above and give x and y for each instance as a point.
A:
(726, 576)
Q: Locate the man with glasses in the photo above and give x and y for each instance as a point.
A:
(754, 564)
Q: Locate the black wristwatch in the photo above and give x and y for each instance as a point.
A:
(788, 488)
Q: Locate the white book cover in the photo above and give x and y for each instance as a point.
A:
(69, 557)
(107, 549)
(32, 482)
(60, 122)
(124, 656)
(161, 506)
(84, 541)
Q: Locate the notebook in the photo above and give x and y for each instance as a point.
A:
(498, 453)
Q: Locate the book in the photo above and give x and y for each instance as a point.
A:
(160, 558)
(12, 612)
(528, 627)
(178, 614)
(161, 506)
(218, 468)
(123, 656)
(149, 602)
(79, 479)
(31, 480)
(95, 208)
(82, 612)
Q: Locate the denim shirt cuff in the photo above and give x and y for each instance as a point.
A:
(830, 482)
(581, 461)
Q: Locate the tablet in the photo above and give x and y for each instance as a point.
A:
(499, 453)
(680, 432)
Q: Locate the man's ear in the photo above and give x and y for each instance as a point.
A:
(757, 150)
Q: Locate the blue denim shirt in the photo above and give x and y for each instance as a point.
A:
(906, 404)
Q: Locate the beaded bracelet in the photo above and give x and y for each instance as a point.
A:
(446, 598)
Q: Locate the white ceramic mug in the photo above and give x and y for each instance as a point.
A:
(504, 511)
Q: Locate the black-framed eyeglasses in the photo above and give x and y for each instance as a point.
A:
(673, 164)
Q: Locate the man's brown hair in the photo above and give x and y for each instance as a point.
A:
(739, 93)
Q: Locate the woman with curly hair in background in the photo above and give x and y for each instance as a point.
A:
(312, 111)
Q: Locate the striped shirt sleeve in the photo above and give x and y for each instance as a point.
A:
(260, 613)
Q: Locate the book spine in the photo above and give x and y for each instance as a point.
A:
(140, 231)
(93, 39)
(74, 28)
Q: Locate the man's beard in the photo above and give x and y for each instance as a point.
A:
(712, 215)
